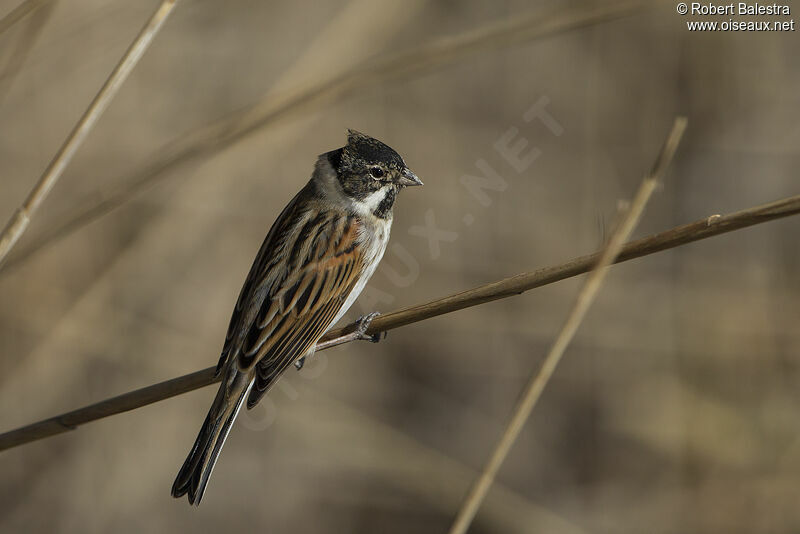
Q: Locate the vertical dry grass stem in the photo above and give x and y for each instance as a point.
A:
(533, 390)
(19, 221)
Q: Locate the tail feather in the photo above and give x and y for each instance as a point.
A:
(196, 471)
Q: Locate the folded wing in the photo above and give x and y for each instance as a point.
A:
(303, 281)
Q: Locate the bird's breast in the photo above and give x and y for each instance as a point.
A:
(373, 237)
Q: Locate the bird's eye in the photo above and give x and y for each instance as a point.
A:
(376, 172)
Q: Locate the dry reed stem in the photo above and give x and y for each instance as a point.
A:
(508, 287)
(504, 510)
(220, 134)
(538, 381)
(19, 221)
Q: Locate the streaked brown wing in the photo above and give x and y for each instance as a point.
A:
(305, 279)
(303, 308)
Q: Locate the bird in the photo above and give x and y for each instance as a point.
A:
(314, 262)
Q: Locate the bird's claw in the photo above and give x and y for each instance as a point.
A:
(362, 325)
(357, 331)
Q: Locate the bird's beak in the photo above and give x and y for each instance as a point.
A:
(408, 178)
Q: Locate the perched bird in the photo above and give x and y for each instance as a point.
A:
(316, 259)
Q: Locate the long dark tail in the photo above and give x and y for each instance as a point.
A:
(196, 471)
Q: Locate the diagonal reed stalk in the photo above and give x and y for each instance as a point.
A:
(702, 229)
(18, 223)
(538, 381)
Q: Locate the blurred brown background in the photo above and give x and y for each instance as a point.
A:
(674, 410)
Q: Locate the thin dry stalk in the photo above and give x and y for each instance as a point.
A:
(509, 287)
(533, 390)
(220, 134)
(19, 221)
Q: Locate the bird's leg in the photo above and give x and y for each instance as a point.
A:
(359, 332)
(362, 325)
(300, 362)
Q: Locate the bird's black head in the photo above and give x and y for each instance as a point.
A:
(371, 172)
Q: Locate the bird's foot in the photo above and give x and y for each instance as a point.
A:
(353, 332)
(362, 325)
(300, 362)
